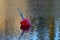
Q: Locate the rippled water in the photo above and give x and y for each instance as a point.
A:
(57, 30)
(31, 36)
(41, 33)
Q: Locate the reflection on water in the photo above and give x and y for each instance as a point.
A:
(57, 30)
(31, 36)
(41, 33)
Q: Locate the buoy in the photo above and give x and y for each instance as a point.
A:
(25, 23)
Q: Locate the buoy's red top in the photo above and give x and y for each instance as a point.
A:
(25, 24)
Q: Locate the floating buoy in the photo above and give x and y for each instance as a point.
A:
(25, 23)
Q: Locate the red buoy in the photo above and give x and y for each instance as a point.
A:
(25, 24)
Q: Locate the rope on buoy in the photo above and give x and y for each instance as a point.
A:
(22, 16)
